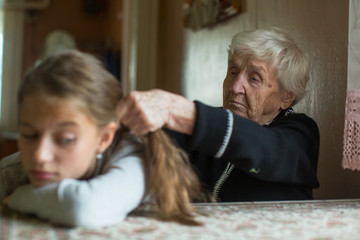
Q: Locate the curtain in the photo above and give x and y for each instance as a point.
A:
(351, 148)
(13, 25)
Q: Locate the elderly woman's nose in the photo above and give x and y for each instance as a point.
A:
(239, 84)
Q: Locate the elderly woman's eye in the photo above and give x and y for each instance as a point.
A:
(233, 71)
(255, 78)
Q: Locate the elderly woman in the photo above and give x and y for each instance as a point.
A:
(255, 148)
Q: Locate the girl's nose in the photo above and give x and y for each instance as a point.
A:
(43, 151)
(239, 84)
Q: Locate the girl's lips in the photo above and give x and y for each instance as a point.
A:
(42, 175)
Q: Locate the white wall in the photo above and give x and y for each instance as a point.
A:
(354, 45)
(205, 56)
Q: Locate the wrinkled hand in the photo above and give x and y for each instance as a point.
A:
(148, 111)
(144, 112)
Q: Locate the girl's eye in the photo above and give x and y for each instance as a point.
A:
(29, 136)
(64, 137)
(66, 141)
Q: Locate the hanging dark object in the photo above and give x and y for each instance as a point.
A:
(93, 6)
(206, 13)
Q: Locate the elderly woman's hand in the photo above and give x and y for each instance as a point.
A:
(144, 112)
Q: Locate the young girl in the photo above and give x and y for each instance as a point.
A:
(76, 165)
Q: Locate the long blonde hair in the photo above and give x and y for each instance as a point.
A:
(170, 180)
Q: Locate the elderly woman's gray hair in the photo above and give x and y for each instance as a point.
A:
(276, 48)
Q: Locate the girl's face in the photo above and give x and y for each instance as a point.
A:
(57, 140)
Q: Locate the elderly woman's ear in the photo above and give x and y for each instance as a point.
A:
(287, 99)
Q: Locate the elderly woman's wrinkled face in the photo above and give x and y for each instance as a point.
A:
(251, 90)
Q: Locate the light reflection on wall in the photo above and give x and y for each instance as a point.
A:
(1, 54)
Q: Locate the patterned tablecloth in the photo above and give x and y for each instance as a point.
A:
(334, 219)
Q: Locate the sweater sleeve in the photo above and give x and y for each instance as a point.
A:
(12, 175)
(286, 151)
(103, 200)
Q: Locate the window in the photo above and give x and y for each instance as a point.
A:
(1, 52)
(11, 70)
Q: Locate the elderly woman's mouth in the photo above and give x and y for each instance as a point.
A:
(236, 104)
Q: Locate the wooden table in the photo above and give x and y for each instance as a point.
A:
(332, 219)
